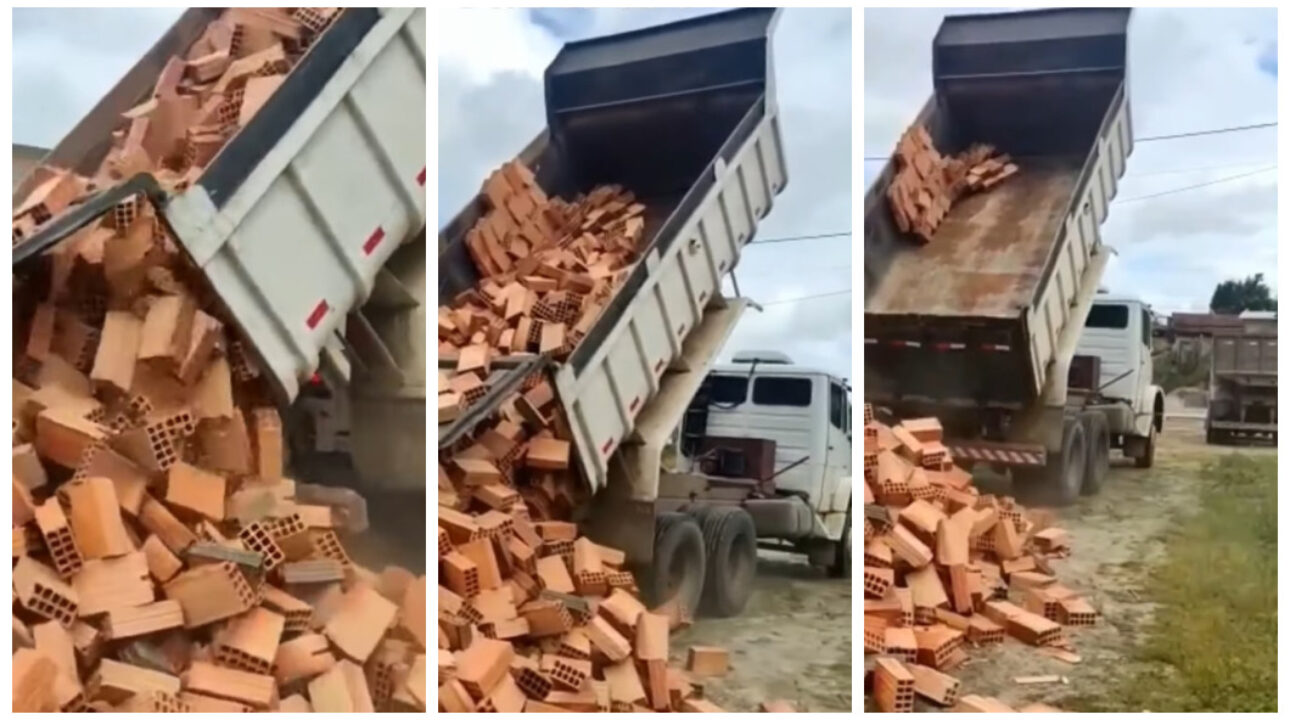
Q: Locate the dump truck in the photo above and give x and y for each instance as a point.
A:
(309, 226)
(684, 116)
(996, 326)
(1243, 383)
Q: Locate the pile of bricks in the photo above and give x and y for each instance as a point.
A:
(547, 269)
(947, 567)
(533, 617)
(927, 184)
(200, 100)
(162, 559)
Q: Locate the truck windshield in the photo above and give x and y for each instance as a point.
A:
(1110, 317)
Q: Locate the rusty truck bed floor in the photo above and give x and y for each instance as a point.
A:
(987, 257)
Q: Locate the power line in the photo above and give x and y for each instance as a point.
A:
(806, 297)
(795, 238)
(1216, 131)
(1197, 185)
(1175, 136)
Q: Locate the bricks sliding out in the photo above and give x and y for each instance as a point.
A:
(163, 560)
(947, 568)
(533, 617)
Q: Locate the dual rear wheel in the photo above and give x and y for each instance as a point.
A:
(705, 560)
(1081, 468)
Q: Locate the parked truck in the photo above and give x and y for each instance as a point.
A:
(310, 227)
(996, 325)
(684, 115)
(1243, 383)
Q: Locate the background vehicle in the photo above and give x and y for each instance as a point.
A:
(702, 149)
(1243, 382)
(335, 161)
(985, 326)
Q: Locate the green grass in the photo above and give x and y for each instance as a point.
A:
(1212, 645)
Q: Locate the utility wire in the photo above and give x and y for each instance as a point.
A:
(1216, 131)
(1229, 178)
(806, 297)
(795, 238)
(1175, 136)
(847, 233)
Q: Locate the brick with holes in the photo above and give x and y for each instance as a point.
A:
(251, 641)
(211, 593)
(59, 538)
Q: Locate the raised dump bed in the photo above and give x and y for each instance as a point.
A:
(684, 116)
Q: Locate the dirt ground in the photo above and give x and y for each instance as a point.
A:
(792, 642)
(1116, 537)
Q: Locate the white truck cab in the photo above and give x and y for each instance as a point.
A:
(805, 411)
(1117, 333)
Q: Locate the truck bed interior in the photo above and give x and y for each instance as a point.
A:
(987, 257)
(1038, 86)
(651, 110)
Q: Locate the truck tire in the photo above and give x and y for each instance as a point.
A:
(841, 567)
(1059, 482)
(1098, 465)
(731, 540)
(679, 562)
(1148, 456)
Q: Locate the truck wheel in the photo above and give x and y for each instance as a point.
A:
(679, 563)
(731, 539)
(1148, 456)
(1058, 482)
(1099, 453)
(841, 567)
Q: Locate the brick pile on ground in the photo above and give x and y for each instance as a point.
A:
(162, 559)
(532, 616)
(927, 184)
(200, 100)
(548, 268)
(946, 568)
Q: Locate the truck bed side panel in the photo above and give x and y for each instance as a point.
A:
(677, 282)
(298, 243)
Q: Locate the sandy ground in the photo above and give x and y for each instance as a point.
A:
(792, 642)
(396, 533)
(1116, 537)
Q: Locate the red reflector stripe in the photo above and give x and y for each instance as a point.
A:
(635, 404)
(658, 366)
(948, 346)
(604, 450)
(315, 317)
(373, 240)
(421, 177)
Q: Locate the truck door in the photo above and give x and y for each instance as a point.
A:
(783, 409)
(838, 443)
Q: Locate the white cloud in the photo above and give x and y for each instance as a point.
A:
(1189, 70)
(64, 61)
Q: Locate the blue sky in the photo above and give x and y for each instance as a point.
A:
(1190, 70)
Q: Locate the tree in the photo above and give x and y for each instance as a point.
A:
(1232, 297)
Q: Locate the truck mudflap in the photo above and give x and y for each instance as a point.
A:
(998, 453)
